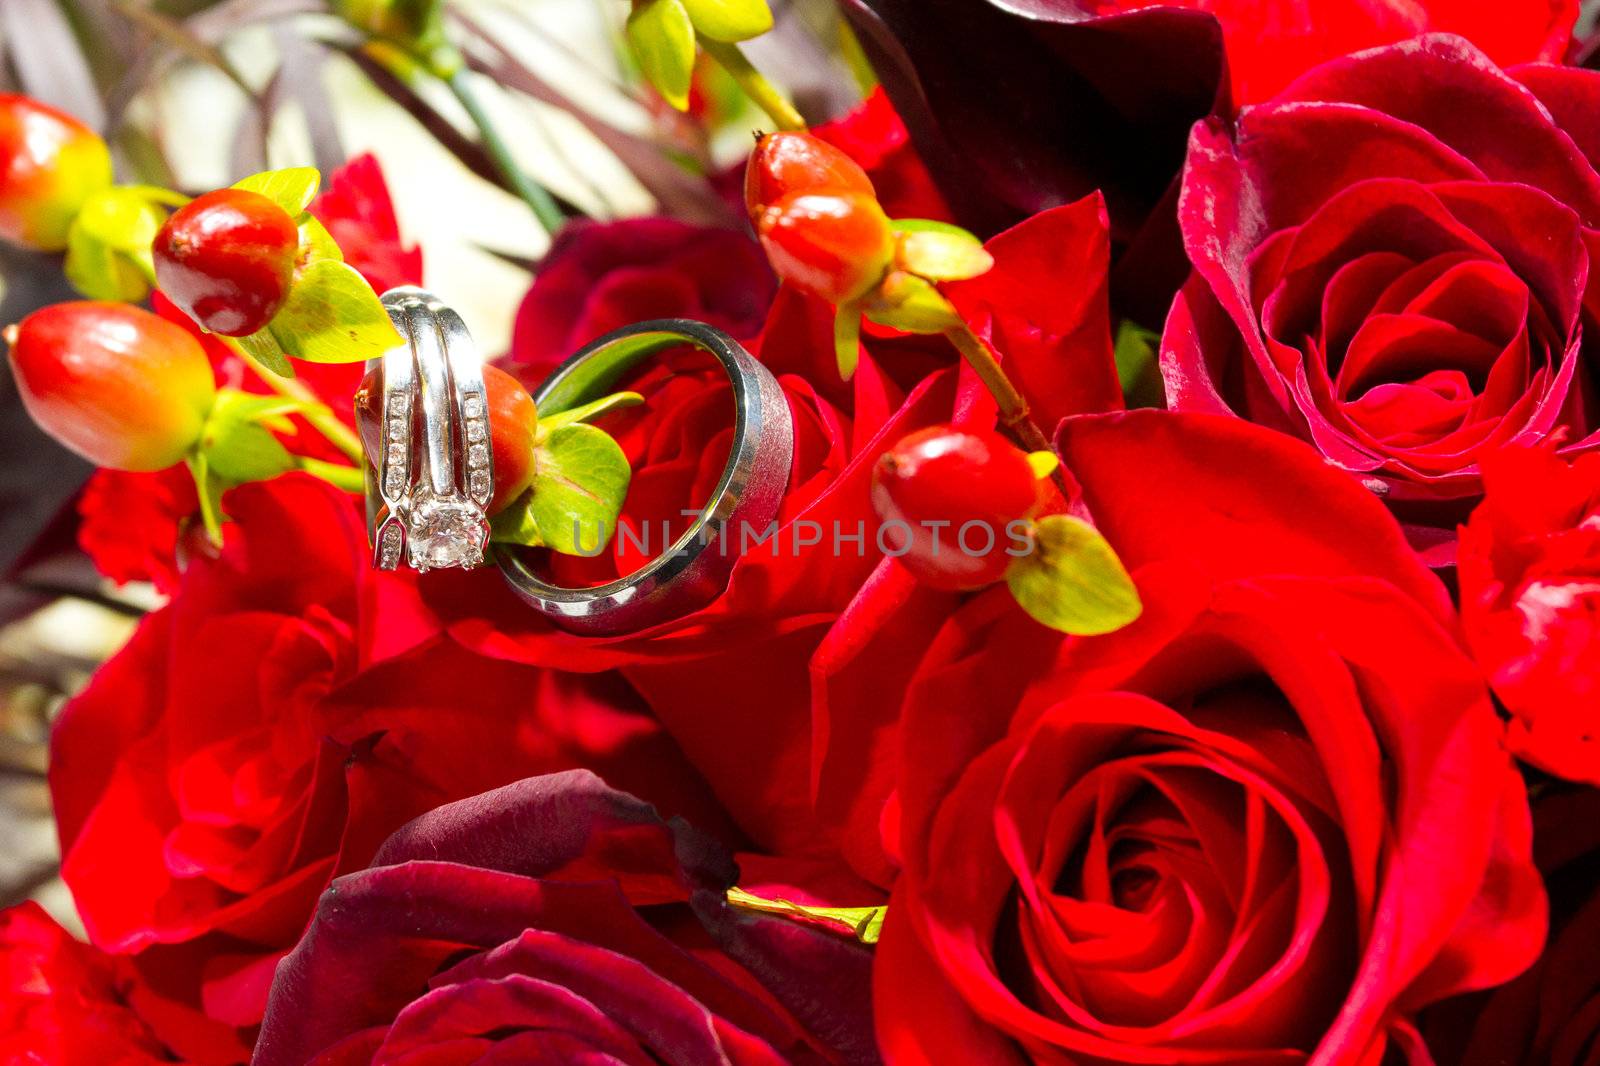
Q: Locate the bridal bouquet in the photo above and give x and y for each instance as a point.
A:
(1088, 555)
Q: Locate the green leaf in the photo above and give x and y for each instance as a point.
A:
(1043, 464)
(847, 339)
(316, 243)
(237, 443)
(108, 246)
(864, 923)
(1073, 581)
(729, 20)
(663, 42)
(580, 481)
(929, 225)
(264, 348)
(291, 188)
(333, 316)
(940, 256)
(1138, 370)
(910, 303)
(590, 411)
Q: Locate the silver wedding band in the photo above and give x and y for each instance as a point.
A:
(429, 487)
(694, 570)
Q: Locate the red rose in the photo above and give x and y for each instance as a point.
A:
(554, 921)
(1550, 1016)
(62, 1003)
(356, 208)
(600, 276)
(1529, 570)
(1265, 823)
(1269, 44)
(134, 526)
(265, 732)
(1395, 277)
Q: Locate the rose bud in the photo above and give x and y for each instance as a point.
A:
(834, 246)
(114, 383)
(227, 259)
(958, 491)
(785, 164)
(50, 165)
(513, 429)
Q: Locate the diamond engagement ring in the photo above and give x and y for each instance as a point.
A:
(430, 483)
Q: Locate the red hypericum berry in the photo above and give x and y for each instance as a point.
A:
(513, 427)
(50, 164)
(786, 164)
(938, 481)
(227, 259)
(835, 247)
(116, 384)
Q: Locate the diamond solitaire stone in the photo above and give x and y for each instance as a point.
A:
(445, 533)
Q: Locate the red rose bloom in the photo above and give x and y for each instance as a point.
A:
(1271, 43)
(134, 526)
(1395, 277)
(1529, 569)
(553, 921)
(64, 1004)
(1265, 823)
(1550, 1016)
(600, 276)
(249, 743)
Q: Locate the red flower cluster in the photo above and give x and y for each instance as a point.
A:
(1328, 800)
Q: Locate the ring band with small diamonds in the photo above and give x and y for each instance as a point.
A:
(428, 490)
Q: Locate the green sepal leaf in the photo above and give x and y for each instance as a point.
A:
(930, 225)
(864, 923)
(333, 316)
(847, 339)
(662, 38)
(580, 481)
(1138, 370)
(108, 245)
(316, 244)
(1043, 464)
(1073, 581)
(907, 302)
(729, 20)
(940, 256)
(209, 492)
(590, 411)
(292, 188)
(264, 348)
(237, 442)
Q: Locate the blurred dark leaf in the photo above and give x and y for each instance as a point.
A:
(49, 60)
(680, 193)
(1021, 105)
(34, 490)
(300, 77)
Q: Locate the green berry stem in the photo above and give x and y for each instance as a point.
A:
(346, 478)
(317, 413)
(755, 85)
(538, 199)
(1015, 417)
(208, 510)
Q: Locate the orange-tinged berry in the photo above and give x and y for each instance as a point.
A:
(787, 163)
(114, 383)
(50, 165)
(835, 247)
